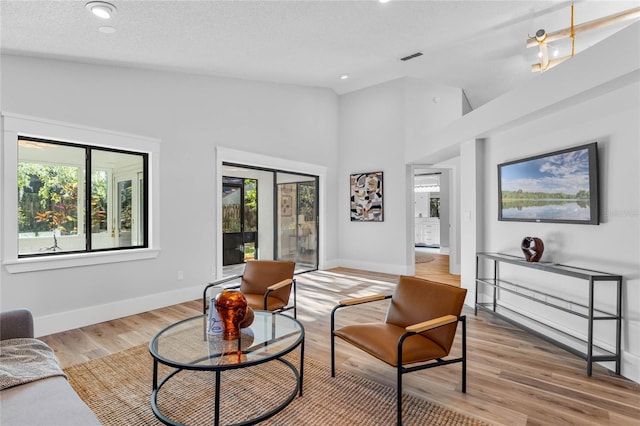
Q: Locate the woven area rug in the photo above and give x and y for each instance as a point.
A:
(118, 390)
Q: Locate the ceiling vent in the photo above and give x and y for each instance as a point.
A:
(414, 55)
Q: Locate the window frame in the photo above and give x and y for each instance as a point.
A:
(15, 125)
(84, 201)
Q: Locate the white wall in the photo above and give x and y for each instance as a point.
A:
(191, 115)
(429, 107)
(371, 134)
(445, 207)
(376, 124)
(471, 213)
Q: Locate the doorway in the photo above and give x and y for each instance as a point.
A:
(268, 214)
(434, 216)
(239, 220)
(427, 209)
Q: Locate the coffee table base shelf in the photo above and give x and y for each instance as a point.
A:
(297, 390)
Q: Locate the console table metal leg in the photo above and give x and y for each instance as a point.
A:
(475, 305)
(496, 278)
(590, 331)
(618, 325)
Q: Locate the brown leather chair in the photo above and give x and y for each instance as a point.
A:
(417, 333)
(266, 284)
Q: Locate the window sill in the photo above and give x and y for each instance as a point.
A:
(33, 264)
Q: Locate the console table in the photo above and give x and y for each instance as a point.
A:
(584, 348)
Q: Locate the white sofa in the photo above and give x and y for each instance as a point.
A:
(49, 401)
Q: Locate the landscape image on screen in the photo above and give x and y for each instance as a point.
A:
(554, 187)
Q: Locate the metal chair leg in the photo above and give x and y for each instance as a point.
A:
(463, 318)
(399, 382)
(333, 344)
(295, 302)
(399, 396)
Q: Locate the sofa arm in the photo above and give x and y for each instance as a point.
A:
(16, 323)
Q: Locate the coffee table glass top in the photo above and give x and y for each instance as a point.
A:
(186, 344)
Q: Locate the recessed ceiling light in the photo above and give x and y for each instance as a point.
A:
(384, 1)
(344, 76)
(101, 9)
(107, 30)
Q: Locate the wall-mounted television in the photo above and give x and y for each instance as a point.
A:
(556, 187)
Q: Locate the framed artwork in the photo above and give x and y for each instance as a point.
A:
(366, 197)
(286, 207)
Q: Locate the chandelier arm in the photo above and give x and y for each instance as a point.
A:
(587, 26)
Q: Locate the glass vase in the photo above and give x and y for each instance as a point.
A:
(232, 308)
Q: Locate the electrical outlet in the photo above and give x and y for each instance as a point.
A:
(180, 275)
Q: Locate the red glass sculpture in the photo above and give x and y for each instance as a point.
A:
(248, 318)
(232, 308)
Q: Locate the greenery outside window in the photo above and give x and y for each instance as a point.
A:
(63, 209)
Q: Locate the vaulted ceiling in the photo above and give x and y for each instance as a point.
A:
(478, 46)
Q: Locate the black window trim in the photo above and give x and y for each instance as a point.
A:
(87, 202)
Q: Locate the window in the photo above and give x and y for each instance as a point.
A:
(74, 195)
(55, 215)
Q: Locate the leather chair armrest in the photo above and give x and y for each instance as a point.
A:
(431, 324)
(224, 280)
(283, 283)
(365, 299)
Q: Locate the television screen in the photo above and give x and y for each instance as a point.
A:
(560, 187)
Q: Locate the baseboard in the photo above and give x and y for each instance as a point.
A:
(328, 264)
(62, 321)
(630, 366)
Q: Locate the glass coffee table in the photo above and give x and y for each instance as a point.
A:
(187, 347)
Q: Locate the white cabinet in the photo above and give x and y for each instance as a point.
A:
(427, 231)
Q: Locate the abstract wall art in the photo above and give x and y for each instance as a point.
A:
(366, 197)
(286, 205)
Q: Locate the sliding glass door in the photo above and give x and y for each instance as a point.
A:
(297, 220)
(286, 207)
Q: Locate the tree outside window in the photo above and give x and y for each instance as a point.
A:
(53, 208)
(48, 199)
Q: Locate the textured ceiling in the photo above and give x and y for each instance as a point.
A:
(478, 46)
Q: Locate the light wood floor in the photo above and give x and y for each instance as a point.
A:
(437, 270)
(513, 377)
